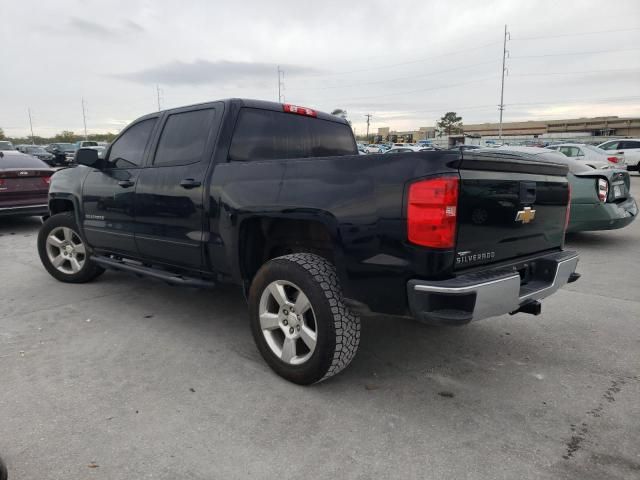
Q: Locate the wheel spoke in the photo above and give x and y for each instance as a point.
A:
(269, 321)
(68, 234)
(302, 303)
(79, 248)
(57, 261)
(75, 265)
(54, 241)
(309, 337)
(288, 350)
(277, 291)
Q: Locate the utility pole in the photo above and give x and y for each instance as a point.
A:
(368, 115)
(280, 85)
(504, 69)
(158, 96)
(84, 120)
(33, 140)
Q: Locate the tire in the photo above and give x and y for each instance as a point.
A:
(58, 240)
(323, 337)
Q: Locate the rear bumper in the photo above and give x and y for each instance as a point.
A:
(26, 210)
(491, 292)
(602, 216)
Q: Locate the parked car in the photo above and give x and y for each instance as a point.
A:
(600, 198)
(38, 152)
(276, 199)
(374, 148)
(24, 184)
(630, 147)
(6, 145)
(85, 143)
(63, 152)
(404, 149)
(592, 156)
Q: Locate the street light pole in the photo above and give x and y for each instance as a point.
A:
(84, 120)
(504, 69)
(33, 140)
(368, 115)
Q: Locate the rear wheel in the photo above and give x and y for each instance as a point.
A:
(63, 252)
(299, 321)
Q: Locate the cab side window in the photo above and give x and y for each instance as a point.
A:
(128, 150)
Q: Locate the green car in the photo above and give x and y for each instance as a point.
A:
(600, 197)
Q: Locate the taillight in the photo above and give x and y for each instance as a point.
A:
(568, 212)
(287, 107)
(613, 159)
(431, 212)
(603, 189)
(46, 180)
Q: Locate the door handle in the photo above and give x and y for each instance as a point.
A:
(189, 183)
(126, 183)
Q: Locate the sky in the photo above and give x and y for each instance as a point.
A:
(405, 62)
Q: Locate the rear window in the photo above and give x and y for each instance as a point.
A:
(20, 160)
(271, 135)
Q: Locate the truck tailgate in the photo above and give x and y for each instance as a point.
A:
(509, 207)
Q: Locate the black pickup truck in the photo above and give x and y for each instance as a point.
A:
(276, 199)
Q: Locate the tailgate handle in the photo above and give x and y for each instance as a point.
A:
(527, 192)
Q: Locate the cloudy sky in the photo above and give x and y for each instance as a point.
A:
(405, 62)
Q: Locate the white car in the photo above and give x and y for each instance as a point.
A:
(630, 147)
(590, 155)
(373, 149)
(406, 149)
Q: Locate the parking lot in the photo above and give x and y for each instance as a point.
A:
(128, 378)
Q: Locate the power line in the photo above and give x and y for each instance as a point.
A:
(595, 52)
(440, 87)
(577, 34)
(391, 65)
(583, 72)
(430, 74)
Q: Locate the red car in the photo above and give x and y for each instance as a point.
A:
(24, 184)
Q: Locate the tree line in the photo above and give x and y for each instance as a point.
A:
(66, 136)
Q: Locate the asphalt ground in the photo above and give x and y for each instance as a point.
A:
(128, 378)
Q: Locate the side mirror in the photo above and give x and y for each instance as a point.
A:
(88, 157)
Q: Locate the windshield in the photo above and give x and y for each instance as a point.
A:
(6, 146)
(89, 144)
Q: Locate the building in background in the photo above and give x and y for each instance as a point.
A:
(584, 129)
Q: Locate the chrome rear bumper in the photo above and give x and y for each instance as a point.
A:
(491, 292)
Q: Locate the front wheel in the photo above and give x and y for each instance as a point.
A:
(299, 321)
(63, 252)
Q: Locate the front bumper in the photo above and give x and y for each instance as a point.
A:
(491, 292)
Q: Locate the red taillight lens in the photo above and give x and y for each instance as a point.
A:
(603, 189)
(287, 107)
(613, 159)
(568, 213)
(431, 212)
(46, 180)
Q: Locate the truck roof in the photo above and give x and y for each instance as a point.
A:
(252, 103)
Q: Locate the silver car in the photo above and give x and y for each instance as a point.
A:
(593, 156)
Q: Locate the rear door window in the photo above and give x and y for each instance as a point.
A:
(610, 146)
(184, 137)
(270, 135)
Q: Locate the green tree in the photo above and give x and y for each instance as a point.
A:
(449, 123)
(66, 136)
(2, 137)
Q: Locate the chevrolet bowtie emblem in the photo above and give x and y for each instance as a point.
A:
(526, 215)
